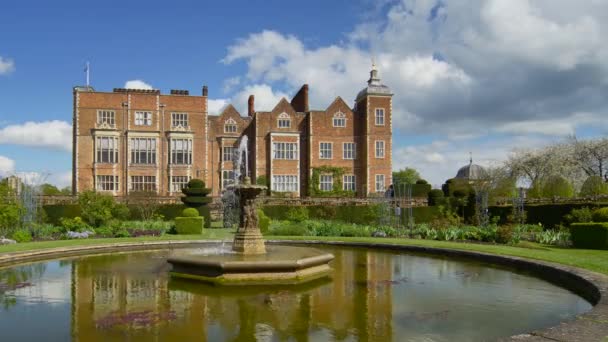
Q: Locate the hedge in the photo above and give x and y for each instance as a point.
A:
(421, 190)
(360, 214)
(189, 225)
(169, 212)
(548, 215)
(589, 235)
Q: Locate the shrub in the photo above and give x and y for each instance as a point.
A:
(579, 216)
(75, 224)
(105, 232)
(554, 237)
(589, 235)
(600, 215)
(435, 197)
(190, 212)
(189, 225)
(283, 228)
(196, 184)
(97, 209)
(297, 214)
(594, 186)
(504, 234)
(422, 181)
(121, 233)
(22, 236)
(263, 221)
(421, 189)
(45, 231)
(196, 197)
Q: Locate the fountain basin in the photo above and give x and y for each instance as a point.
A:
(279, 266)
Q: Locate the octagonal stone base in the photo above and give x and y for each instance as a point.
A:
(249, 241)
(255, 272)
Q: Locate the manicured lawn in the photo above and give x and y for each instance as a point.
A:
(215, 234)
(594, 260)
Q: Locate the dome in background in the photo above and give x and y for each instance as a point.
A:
(471, 171)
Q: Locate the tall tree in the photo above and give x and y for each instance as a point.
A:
(590, 155)
(407, 175)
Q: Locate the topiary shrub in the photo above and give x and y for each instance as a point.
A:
(422, 181)
(196, 197)
(190, 212)
(189, 225)
(557, 186)
(435, 197)
(263, 221)
(589, 235)
(600, 215)
(594, 186)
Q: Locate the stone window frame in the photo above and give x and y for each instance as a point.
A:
(284, 120)
(381, 149)
(280, 150)
(150, 152)
(112, 149)
(179, 119)
(285, 183)
(326, 182)
(228, 152)
(379, 119)
(187, 153)
(144, 119)
(108, 183)
(340, 118)
(331, 149)
(345, 182)
(230, 126)
(380, 183)
(353, 151)
(106, 117)
(176, 181)
(228, 178)
(143, 183)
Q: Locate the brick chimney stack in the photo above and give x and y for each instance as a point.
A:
(300, 101)
(205, 91)
(251, 105)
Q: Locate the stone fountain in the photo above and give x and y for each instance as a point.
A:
(249, 263)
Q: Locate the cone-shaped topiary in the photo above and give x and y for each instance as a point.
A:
(196, 197)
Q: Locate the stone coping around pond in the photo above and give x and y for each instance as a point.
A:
(590, 326)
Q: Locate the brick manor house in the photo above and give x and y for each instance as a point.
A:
(142, 140)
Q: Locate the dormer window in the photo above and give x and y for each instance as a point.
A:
(284, 121)
(230, 126)
(339, 119)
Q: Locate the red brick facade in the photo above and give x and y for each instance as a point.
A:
(131, 140)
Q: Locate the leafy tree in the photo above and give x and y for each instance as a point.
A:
(49, 190)
(9, 209)
(406, 176)
(66, 191)
(98, 209)
(594, 186)
(557, 186)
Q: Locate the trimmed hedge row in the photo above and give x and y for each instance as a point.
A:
(169, 212)
(589, 235)
(189, 225)
(359, 214)
(549, 215)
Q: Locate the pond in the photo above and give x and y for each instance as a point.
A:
(372, 296)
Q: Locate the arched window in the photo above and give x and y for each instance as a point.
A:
(230, 126)
(284, 120)
(339, 119)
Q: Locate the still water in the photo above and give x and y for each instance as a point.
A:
(372, 296)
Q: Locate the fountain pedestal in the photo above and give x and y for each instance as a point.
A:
(251, 265)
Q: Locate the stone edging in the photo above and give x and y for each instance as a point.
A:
(591, 326)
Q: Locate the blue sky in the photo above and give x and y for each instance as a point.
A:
(493, 89)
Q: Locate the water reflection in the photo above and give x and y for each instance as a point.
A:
(372, 296)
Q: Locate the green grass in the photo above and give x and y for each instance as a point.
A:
(208, 234)
(594, 260)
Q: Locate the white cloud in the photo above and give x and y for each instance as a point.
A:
(216, 105)
(7, 65)
(231, 83)
(61, 179)
(265, 98)
(7, 166)
(51, 134)
(137, 84)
